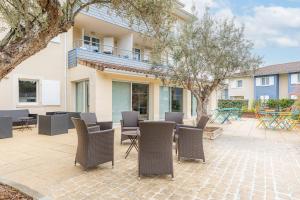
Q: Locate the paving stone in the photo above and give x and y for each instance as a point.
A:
(244, 163)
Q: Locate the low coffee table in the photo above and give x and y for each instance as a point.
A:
(25, 123)
(133, 136)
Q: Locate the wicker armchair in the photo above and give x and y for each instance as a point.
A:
(155, 148)
(130, 121)
(94, 146)
(176, 117)
(189, 141)
(91, 120)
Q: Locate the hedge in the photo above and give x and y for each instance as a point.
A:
(280, 103)
(233, 104)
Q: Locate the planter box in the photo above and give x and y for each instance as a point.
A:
(248, 115)
(212, 132)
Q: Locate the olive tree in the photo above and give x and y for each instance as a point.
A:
(31, 24)
(205, 53)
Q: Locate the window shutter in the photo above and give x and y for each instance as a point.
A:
(258, 81)
(271, 80)
(233, 84)
(294, 78)
(50, 92)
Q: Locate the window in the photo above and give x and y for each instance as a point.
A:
(28, 91)
(194, 106)
(170, 100)
(136, 54)
(128, 96)
(295, 78)
(91, 43)
(239, 83)
(177, 99)
(140, 98)
(265, 81)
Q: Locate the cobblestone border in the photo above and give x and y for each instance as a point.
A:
(24, 189)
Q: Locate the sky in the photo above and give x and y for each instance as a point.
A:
(272, 25)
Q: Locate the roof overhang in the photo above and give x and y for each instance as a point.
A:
(102, 66)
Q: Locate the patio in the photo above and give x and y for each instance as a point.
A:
(244, 163)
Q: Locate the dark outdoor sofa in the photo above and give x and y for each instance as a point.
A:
(15, 115)
(70, 115)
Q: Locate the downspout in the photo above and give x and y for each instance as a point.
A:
(66, 68)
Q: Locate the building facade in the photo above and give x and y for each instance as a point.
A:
(270, 82)
(100, 65)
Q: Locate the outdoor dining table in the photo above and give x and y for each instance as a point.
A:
(225, 114)
(133, 137)
(273, 120)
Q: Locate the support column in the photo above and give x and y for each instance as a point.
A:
(154, 101)
(187, 104)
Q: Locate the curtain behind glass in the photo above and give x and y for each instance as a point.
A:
(164, 101)
(80, 97)
(121, 99)
(177, 99)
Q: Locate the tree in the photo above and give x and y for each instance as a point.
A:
(205, 52)
(31, 24)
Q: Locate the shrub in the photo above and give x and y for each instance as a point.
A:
(280, 104)
(242, 104)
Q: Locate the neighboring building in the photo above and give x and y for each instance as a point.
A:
(101, 65)
(270, 82)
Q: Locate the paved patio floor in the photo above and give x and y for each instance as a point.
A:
(243, 163)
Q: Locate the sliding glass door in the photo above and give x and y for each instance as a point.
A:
(140, 99)
(82, 96)
(164, 101)
(170, 100)
(128, 96)
(121, 99)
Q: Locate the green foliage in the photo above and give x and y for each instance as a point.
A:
(280, 104)
(242, 104)
(205, 52)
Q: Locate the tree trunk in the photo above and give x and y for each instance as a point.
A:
(201, 108)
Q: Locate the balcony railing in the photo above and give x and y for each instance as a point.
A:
(112, 51)
(95, 51)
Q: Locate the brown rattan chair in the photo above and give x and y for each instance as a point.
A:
(189, 141)
(155, 148)
(94, 146)
(91, 120)
(130, 122)
(176, 117)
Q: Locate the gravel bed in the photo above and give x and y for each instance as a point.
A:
(10, 193)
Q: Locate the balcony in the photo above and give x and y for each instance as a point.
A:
(108, 15)
(94, 51)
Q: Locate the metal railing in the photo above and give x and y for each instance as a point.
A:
(118, 52)
(112, 50)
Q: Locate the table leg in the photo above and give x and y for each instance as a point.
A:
(132, 144)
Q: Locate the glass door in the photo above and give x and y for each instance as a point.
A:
(82, 96)
(121, 99)
(140, 99)
(164, 101)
